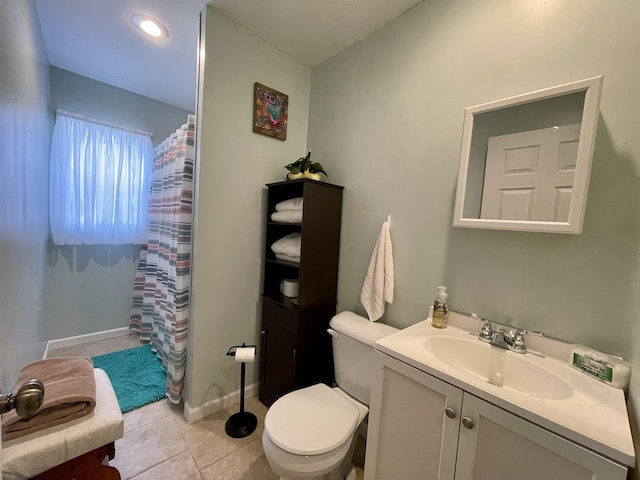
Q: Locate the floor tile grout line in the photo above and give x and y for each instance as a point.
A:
(230, 453)
(161, 462)
(150, 421)
(157, 465)
(193, 457)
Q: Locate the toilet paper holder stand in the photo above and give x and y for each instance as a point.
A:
(241, 424)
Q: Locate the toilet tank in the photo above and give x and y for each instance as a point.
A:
(353, 352)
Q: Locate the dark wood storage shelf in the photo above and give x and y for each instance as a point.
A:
(283, 263)
(283, 301)
(296, 349)
(287, 302)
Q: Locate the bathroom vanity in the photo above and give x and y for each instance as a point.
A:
(434, 414)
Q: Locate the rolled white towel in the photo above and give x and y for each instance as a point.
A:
(291, 204)
(287, 258)
(287, 216)
(289, 245)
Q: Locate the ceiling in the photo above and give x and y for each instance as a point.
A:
(97, 39)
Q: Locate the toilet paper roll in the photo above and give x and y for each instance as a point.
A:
(290, 288)
(245, 354)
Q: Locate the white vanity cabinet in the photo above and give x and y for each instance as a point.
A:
(409, 435)
(421, 427)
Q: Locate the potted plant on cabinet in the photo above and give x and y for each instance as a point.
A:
(304, 168)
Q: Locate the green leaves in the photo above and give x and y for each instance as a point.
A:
(316, 168)
(293, 167)
(304, 164)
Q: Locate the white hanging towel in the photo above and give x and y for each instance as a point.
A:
(378, 284)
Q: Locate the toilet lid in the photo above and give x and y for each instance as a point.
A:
(311, 421)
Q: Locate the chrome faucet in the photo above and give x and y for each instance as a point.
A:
(486, 334)
(501, 339)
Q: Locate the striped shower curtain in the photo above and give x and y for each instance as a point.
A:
(160, 311)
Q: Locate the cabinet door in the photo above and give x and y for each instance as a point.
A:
(497, 445)
(410, 437)
(278, 366)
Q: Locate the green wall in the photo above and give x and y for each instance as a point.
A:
(233, 167)
(386, 121)
(24, 200)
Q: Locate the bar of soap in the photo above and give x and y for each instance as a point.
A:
(607, 368)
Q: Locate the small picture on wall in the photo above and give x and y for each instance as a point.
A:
(270, 112)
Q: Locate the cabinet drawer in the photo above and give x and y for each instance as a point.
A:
(283, 317)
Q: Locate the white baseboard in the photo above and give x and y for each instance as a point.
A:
(86, 338)
(193, 414)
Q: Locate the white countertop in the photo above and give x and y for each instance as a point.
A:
(595, 416)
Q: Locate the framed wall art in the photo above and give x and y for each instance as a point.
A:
(270, 111)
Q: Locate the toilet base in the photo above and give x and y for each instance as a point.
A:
(328, 468)
(345, 470)
(336, 475)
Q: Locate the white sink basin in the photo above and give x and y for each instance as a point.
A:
(527, 375)
(512, 371)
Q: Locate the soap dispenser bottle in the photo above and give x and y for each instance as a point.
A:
(440, 317)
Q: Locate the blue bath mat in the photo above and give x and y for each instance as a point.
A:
(136, 375)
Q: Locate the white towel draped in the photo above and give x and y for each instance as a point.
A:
(378, 284)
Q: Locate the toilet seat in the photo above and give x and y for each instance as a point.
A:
(318, 409)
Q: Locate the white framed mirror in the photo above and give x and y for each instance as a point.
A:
(525, 161)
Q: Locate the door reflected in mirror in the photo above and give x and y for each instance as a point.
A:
(525, 161)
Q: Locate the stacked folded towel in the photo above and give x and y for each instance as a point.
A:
(290, 205)
(69, 393)
(288, 211)
(288, 216)
(287, 258)
(288, 248)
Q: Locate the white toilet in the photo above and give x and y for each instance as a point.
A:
(311, 433)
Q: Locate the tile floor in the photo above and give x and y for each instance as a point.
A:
(158, 444)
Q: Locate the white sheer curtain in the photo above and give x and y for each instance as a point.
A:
(99, 183)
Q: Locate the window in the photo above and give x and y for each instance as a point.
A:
(99, 183)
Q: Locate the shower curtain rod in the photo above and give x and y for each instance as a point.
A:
(79, 116)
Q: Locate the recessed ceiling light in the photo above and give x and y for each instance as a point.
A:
(150, 26)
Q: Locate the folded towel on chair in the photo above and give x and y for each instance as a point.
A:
(287, 216)
(69, 393)
(291, 204)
